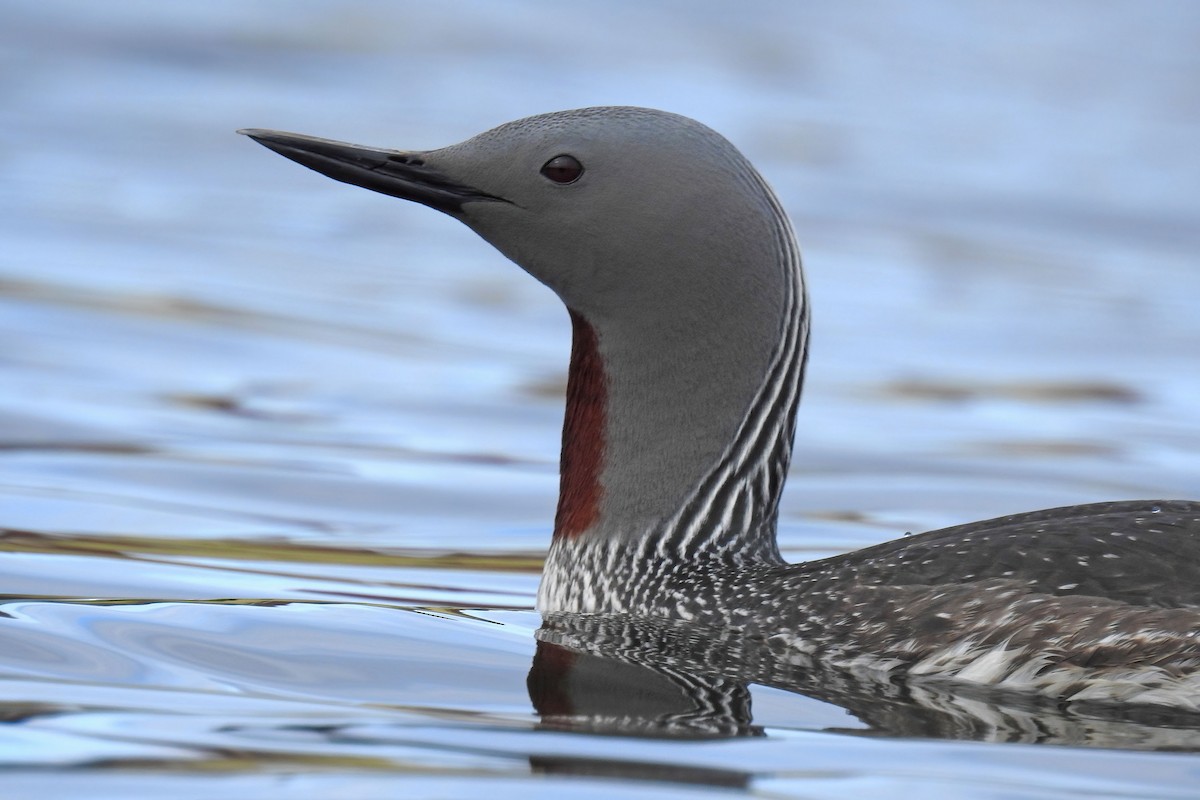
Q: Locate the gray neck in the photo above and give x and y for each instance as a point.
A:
(678, 396)
(679, 429)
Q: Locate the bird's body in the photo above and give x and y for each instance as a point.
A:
(690, 330)
(1098, 602)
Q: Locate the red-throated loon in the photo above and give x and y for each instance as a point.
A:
(690, 330)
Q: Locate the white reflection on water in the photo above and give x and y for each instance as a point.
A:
(208, 354)
(318, 652)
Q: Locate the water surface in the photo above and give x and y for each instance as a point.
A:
(279, 456)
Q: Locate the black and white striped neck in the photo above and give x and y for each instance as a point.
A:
(616, 527)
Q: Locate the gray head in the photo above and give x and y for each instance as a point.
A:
(644, 176)
(684, 284)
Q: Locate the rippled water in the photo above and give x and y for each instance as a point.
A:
(280, 456)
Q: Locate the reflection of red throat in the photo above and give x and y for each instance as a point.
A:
(579, 488)
(547, 680)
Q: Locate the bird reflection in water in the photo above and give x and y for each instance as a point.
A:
(668, 679)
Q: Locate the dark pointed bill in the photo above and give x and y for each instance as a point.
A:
(391, 172)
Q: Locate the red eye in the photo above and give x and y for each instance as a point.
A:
(563, 169)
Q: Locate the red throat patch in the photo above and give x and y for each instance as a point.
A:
(579, 489)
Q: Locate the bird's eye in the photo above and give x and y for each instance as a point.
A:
(563, 169)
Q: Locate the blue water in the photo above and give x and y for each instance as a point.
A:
(279, 456)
